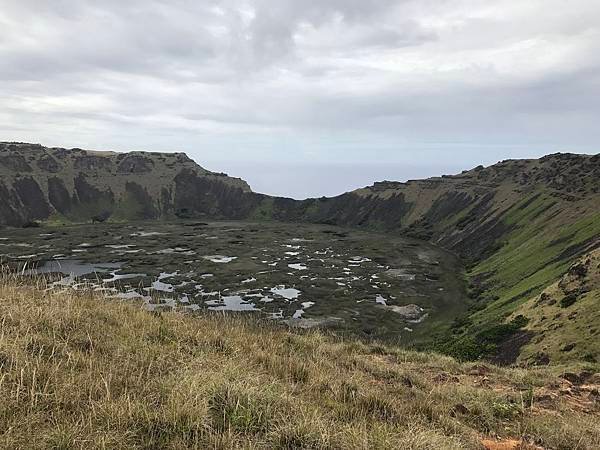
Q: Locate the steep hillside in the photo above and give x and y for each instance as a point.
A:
(40, 183)
(473, 212)
(519, 225)
(565, 317)
(81, 371)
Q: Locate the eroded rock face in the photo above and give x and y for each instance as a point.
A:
(81, 185)
(89, 194)
(59, 195)
(15, 162)
(9, 207)
(92, 162)
(32, 198)
(199, 196)
(355, 210)
(135, 164)
(49, 164)
(140, 196)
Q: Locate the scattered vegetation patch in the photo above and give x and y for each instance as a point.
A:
(482, 344)
(569, 299)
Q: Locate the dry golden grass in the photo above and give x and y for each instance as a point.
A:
(80, 371)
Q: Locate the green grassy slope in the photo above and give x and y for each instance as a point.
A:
(565, 317)
(533, 256)
(519, 225)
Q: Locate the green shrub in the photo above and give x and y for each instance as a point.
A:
(568, 300)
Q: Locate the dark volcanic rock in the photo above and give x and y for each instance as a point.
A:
(82, 184)
(197, 196)
(144, 201)
(92, 201)
(351, 209)
(49, 164)
(509, 350)
(92, 162)
(448, 205)
(135, 164)
(15, 162)
(32, 197)
(59, 195)
(10, 213)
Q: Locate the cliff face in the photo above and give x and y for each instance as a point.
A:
(40, 183)
(470, 212)
(519, 225)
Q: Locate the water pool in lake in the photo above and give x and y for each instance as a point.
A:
(298, 274)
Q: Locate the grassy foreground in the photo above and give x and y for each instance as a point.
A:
(80, 371)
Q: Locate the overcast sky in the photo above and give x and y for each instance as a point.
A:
(305, 97)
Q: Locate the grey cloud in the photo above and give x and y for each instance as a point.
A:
(178, 39)
(133, 40)
(234, 72)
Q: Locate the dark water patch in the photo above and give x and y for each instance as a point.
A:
(73, 267)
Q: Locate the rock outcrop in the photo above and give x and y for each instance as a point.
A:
(40, 183)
